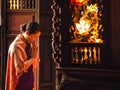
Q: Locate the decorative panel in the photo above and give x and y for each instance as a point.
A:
(21, 4)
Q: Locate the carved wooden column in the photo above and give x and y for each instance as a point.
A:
(56, 32)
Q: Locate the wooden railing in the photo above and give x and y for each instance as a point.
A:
(21, 4)
(84, 53)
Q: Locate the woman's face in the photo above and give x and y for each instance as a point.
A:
(31, 38)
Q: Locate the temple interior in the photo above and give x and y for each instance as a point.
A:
(79, 46)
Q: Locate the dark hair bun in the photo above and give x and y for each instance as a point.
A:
(24, 27)
(31, 26)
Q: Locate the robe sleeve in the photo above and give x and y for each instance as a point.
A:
(20, 58)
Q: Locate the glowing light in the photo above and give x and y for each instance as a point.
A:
(79, 2)
(92, 8)
(82, 27)
(88, 25)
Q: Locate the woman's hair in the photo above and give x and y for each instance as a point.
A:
(31, 26)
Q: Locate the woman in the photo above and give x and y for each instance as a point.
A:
(23, 58)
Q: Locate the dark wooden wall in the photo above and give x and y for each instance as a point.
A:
(47, 72)
(0, 44)
(115, 27)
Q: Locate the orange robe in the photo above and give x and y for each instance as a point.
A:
(17, 57)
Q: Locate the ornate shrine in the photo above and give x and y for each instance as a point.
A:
(79, 32)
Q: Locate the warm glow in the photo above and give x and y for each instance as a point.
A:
(92, 8)
(87, 24)
(14, 4)
(80, 2)
(82, 26)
